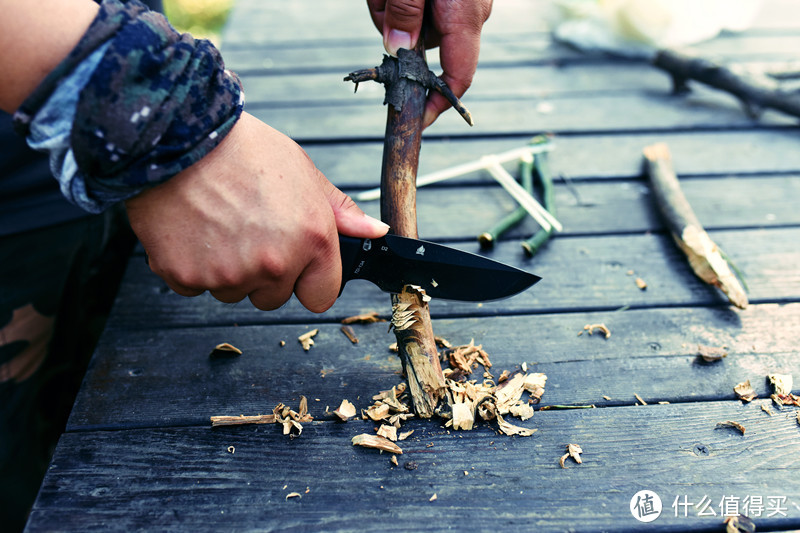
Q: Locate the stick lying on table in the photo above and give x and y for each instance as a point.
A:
(755, 95)
(705, 257)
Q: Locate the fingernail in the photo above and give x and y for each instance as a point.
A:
(395, 40)
(377, 224)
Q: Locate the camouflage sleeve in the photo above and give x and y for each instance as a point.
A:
(157, 102)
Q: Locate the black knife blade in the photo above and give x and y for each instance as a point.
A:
(391, 262)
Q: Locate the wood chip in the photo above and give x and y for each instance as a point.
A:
(739, 524)
(766, 409)
(293, 495)
(574, 451)
(388, 432)
(463, 416)
(782, 383)
(433, 498)
(731, 424)
(642, 284)
(639, 398)
(364, 318)
(231, 449)
(306, 339)
(511, 429)
(345, 411)
(744, 391)
(711, 354)
(405, 434)
(378, 412)
(225, 351)
(602, 328)
(374, 441)
(350, 334)
(393, 460)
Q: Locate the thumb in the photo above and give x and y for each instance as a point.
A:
(402, 24)
(350, 219)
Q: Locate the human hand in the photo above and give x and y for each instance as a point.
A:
(455, 27)
(253, 218)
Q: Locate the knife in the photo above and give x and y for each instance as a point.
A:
(391, 262)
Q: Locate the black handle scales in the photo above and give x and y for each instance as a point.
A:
(350, 249)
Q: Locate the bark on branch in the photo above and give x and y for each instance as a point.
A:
(754, 94)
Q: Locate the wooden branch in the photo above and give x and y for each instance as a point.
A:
(705, 257)
(754, 94)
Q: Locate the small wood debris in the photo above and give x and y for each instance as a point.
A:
(731, 424)
(405, 434)
(433, 498)
(782, 383)
(642, 284)
(797, 415)
(393, 460)
(739, 524)
(291, 420)
(306, 339)
(375, 441)
(364, 318)
(711, 354)
(766, 409)
(225, 351)
(607, 398)
(410, 465)
(294, 495)
(574, 451)
(345, 411)
(241, 419)
(602, 328)
(231, 449)
(745, 392)
(282, 344)
(639, 399)
(441, 342)
(350, 334)
(388, 432)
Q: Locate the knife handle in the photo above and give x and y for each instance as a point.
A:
(350, 249)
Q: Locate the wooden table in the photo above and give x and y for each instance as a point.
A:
(139, 452)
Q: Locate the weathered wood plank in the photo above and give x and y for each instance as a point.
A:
(579, 273)
(185, 478)
(356, 166)
(163, 378)
(702, 109)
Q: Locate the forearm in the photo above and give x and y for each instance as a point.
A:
(34, 38)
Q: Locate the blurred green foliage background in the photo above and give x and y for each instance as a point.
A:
(201, 18)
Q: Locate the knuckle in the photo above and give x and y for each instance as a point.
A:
(406, 11)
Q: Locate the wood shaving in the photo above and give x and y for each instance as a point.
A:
(766, 409)
(364, 318)
(282, 344)
(393, 460)
(642, 284)
(345, 411)
(433, 498)
(350, 334)
(306, 339)
(441, 342)
(711, 354)
(375, 441)
(639, 399)
(405, 434)
(294, 495)
(225, 351)
(388, 432)
(463, 416)
(231, 449)
(602, 328)
(739, 524)
(782, 383)
(510, 429)
(574, 451)
(731, 424)
(744, 391)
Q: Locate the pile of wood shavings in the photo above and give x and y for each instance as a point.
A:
(468, 399)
